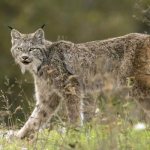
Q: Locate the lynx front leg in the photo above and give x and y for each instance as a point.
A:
(72, 99)
(41, 114)
(73, 105)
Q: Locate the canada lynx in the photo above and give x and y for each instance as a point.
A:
(58, 68)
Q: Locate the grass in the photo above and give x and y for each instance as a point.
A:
(115, 136)
(112, 128)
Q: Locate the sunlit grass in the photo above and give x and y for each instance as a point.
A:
(89, 137)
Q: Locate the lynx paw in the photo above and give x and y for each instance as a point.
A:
(10, 134)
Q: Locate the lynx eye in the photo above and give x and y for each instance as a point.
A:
(33, 49)
(19, 48)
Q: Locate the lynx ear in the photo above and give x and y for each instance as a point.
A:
(39, 35)
(15, 34)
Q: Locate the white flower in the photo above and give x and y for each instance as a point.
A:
(140, 126)
(97, 110)
(24, 148)
(1, 147)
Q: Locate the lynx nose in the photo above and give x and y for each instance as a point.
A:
(25, 57)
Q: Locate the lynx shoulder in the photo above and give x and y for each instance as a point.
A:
(60, 71)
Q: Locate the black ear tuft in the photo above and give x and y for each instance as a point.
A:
(10, 27)
(43, 26)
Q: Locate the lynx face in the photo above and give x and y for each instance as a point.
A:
(28, 49)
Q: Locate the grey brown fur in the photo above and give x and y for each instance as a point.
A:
(60, 68)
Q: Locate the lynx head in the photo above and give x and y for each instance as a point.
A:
(28, 49)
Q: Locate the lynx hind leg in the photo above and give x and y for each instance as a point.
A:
(43, 111)
(89, 107)
(141, 95)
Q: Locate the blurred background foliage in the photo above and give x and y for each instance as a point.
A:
(73, 20)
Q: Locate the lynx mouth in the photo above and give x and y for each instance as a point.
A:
(26, 62)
